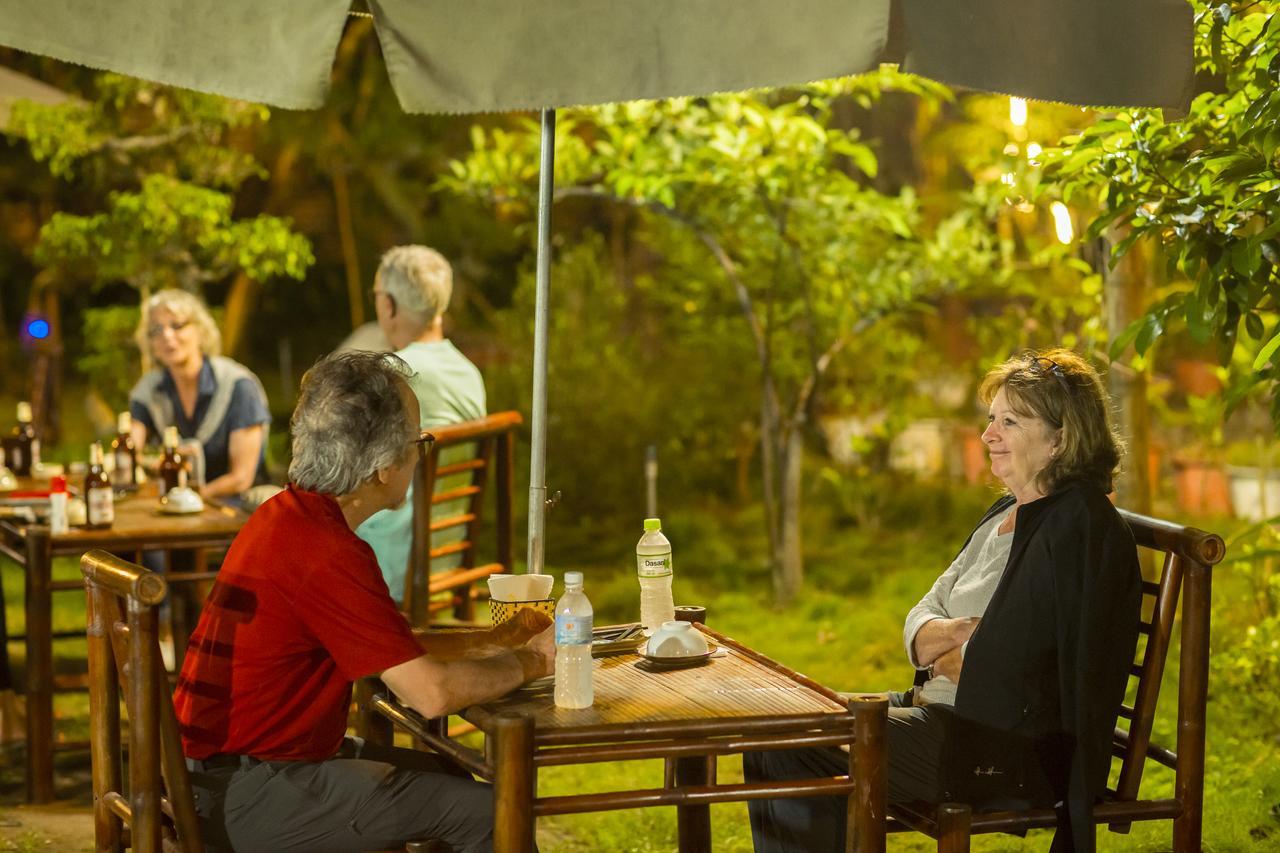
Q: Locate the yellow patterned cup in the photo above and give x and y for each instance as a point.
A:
(502, 611)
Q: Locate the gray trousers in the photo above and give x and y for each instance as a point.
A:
(815, 824)
(365, 798)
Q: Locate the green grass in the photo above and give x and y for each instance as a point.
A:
(844, 631)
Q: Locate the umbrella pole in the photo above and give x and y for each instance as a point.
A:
(538, 441)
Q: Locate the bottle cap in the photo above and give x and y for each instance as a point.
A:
(24, 413)
(124, 423)
(652, 524)
(57, 483)
(573, 578)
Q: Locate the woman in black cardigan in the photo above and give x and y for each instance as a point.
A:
(1023, 646)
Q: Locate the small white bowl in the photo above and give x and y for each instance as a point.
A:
(676, 639)
(181, 500)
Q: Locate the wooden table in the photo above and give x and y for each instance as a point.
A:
(738, 702)
(139, 525)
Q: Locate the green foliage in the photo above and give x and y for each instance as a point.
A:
(131, 128)
(110, 355)
(626, 372)
(171, 234)
(1206, 187)
(165, 163)
(770, 194)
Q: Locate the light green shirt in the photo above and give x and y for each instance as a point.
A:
(449, 390)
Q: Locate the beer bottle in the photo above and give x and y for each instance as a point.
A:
(125, 454)
(99, 497)
(24, 447)
(171, 463)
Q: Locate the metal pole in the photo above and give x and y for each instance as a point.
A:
(538, 449)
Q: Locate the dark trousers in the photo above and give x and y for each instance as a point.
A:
(365, 798)
(815, 824)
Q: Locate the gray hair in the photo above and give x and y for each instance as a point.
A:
(350, 421)
(418, 278)
(185, 306)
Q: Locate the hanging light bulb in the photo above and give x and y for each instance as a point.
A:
(1062, 222)
(1018, 112)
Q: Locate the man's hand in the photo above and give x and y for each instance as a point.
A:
(538, 656)
(521, 628)
(949, 664)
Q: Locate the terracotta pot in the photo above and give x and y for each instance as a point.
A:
(1202, 487)
(1196, 377)
(976, 463)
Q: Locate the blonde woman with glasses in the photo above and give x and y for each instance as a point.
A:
(211, 399)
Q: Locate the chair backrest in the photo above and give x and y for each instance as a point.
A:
(124, 654)
(448, 494)
(1187, 555)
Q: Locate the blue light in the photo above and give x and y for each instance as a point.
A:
(38, 329)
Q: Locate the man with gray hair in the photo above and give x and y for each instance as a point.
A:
(411, 292)
(299, 612)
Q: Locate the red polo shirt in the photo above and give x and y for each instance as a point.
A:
(298, 612)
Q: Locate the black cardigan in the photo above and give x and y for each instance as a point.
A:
(1045, 672)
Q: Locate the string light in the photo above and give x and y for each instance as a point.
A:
(1062, 222)
(1018, 112)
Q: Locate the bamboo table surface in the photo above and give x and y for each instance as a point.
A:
(628, 691)
(738, 701)
(139, 525)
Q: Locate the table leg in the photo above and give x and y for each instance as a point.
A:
(869, 769)
(693, 823)
(514, 784)
(39, 606)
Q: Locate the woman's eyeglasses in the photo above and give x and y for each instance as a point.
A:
(1039, 365)
(174, 326)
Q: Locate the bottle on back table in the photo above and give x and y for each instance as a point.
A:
(24, 447)
(125, 454)
(99, 497)
(653, 568)
(573, 645)
(171, 463)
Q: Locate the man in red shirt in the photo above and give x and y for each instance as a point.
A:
(299, 611)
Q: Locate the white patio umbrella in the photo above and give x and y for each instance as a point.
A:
(463, 56)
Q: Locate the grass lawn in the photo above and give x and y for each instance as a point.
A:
(844, 631)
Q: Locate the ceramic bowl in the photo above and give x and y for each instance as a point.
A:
(181, 499)
(676, 639)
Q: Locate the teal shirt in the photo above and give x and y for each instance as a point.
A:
(449, 390)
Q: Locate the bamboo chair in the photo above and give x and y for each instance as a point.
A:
(441, 503)
(158, 811)
(1188, 556)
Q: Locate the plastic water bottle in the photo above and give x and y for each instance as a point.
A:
(653, 568)
(573, 645)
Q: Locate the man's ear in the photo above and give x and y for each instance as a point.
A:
(383, 475)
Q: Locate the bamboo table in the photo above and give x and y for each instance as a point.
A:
(138, 526)
(738, 702)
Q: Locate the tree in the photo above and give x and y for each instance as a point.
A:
(1206, 189)
(764, 203)
(165, 165)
